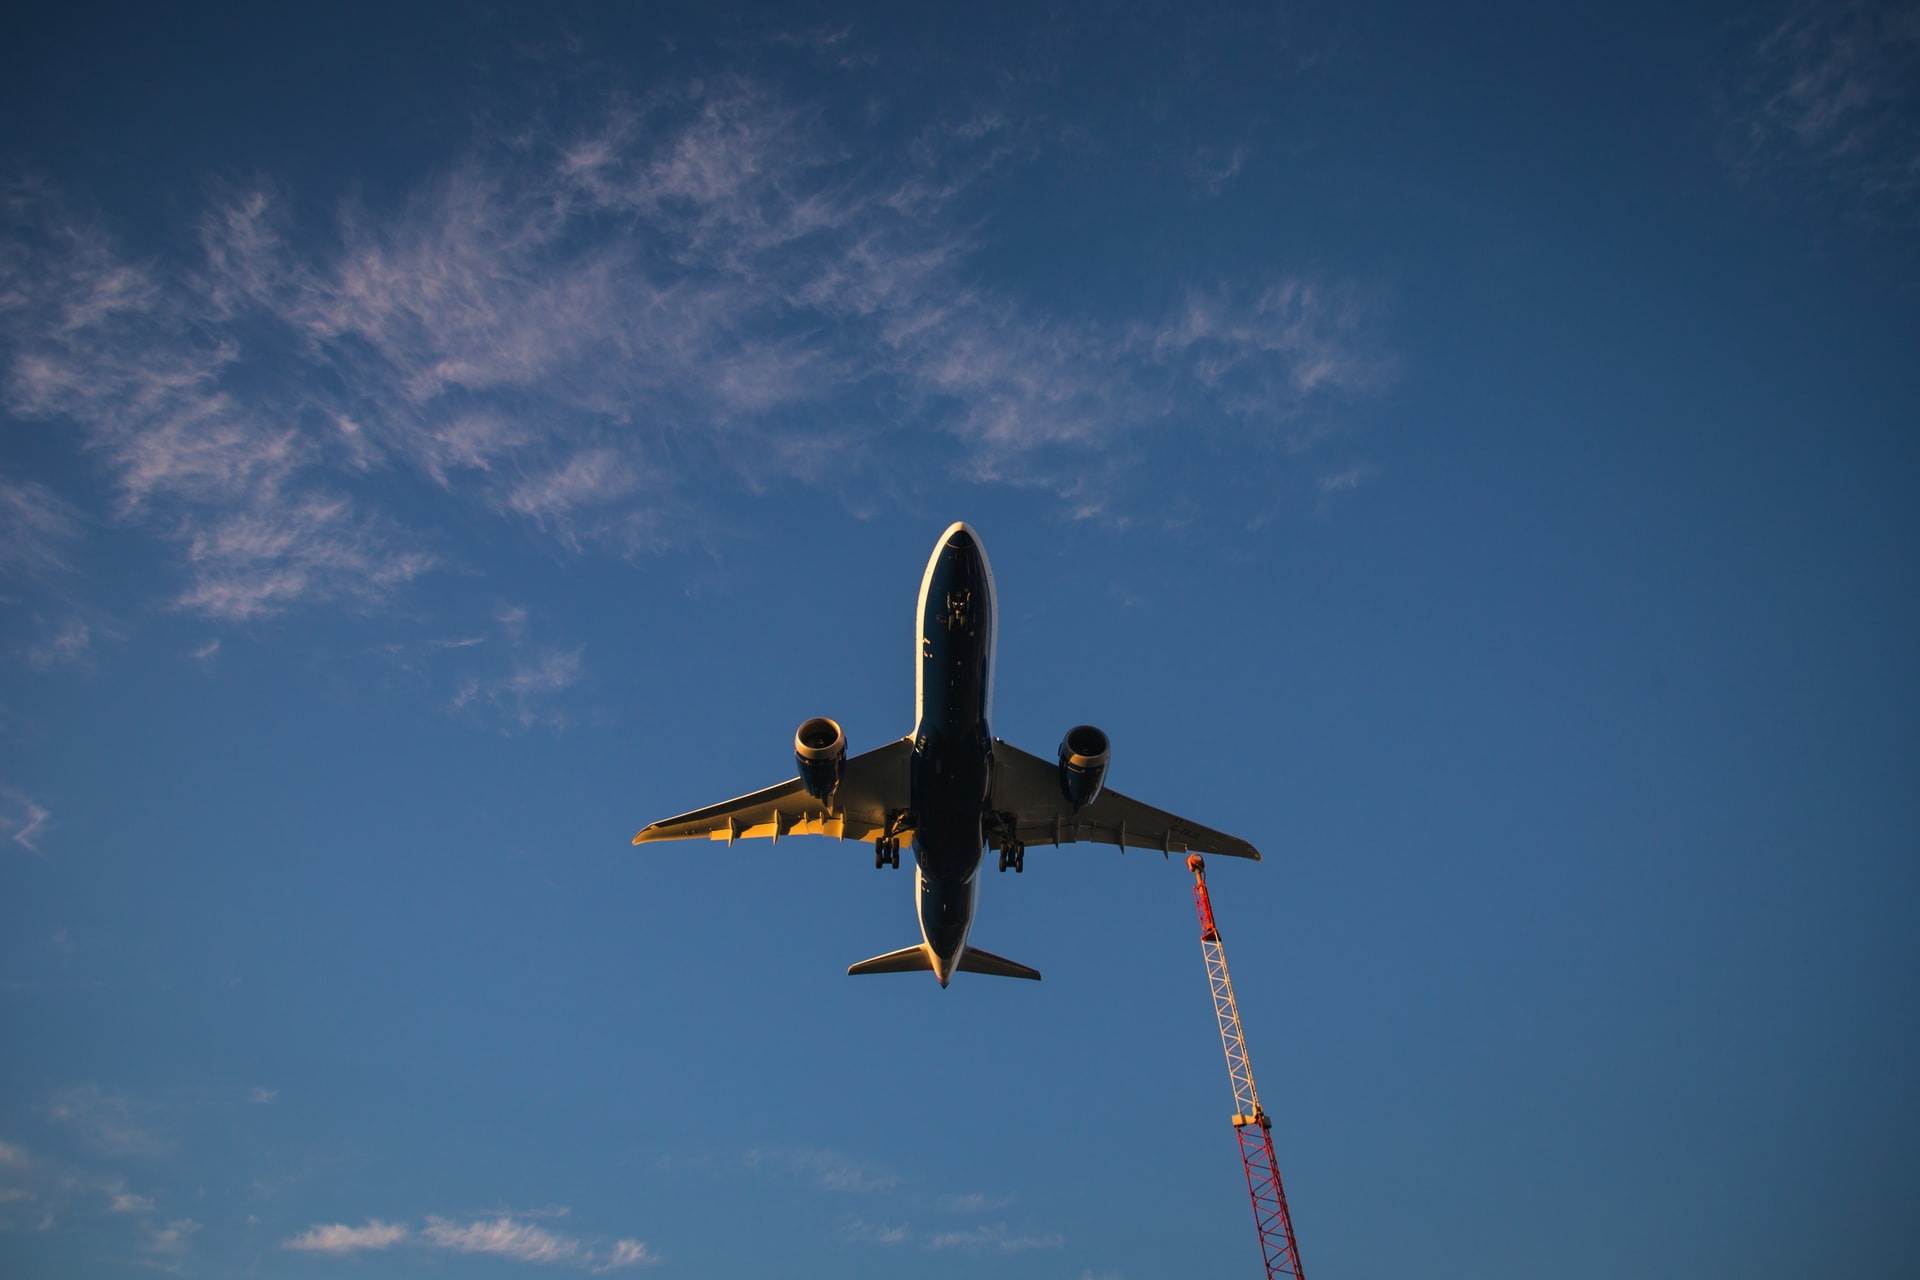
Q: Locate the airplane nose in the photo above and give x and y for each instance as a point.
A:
(960, 540)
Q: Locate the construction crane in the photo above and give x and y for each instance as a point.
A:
(1250, 1122)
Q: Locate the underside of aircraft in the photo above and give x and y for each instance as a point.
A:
(950, 789)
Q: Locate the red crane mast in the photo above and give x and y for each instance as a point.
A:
(1250, 1122)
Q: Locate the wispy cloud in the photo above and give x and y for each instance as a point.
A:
(1344, 480)
(1215, 169)
(141, 356)
(525, 694)
(25, 818)
(127, 1202)
(997, 1236)
(1831, 95)
(974, 1202)
(37, 529)
(21, 1180)
(258, 561)
(502, 1236)
(860, 1231)
(566, 328)
(828, 1170)
(1265, 352)
(627, 1253)
(833, 1171)
(994, 1236)
(48, 1190)
(339, 1238)
(522, 1241)
(174, 1238)
(816, 39)
(114, 1125)
(506, 1237)
(62, 644)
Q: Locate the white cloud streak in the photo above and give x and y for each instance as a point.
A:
(504, 1236)
(339, 1238)
(588, 332)
(27, 819)
(627, 1253)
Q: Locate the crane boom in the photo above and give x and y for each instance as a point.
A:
(1250, 1122)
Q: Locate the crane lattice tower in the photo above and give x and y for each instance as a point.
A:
(1250, 1121)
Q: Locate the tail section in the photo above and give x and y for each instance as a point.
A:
(918, 959)
(912, 959)
(974, 960)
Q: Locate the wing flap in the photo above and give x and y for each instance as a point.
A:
(873, 797)
(1029, 804)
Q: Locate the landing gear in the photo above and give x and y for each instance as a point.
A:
(886, 852)
(1013, 855)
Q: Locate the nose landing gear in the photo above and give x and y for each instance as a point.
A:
(1013, 854)
(886, 852)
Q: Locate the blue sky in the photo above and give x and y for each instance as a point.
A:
(1470, 453)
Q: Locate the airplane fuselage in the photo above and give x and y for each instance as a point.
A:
(953, 785)
(952, 763)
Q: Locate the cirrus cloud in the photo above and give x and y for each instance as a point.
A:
(502, 1236)
(594, 333)
(339, 1238)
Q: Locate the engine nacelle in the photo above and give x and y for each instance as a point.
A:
(1083, 764)
(820, 749)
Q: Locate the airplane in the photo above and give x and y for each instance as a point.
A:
(951, 787)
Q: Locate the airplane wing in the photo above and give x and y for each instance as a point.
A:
(1027, 798)
(874, 792)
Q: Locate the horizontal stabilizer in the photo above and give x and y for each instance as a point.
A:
(974, 960)
(912, 959)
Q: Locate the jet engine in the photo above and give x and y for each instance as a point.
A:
(820, 749)
(1083, 764)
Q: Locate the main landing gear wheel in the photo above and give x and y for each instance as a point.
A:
(1015, 856)
(886, 853)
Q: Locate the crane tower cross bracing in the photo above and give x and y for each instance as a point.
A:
(1250, 1122)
